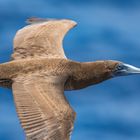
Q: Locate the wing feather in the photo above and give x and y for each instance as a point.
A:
(40, 40)
(42, 108)
(34, 20)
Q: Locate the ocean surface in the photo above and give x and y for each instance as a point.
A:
(107, 29)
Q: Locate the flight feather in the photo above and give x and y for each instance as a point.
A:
(42, 40)
(42, 108)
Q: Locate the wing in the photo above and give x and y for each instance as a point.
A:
(43, 38)
(42, 108)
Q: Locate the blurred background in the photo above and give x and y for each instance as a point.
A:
(107, 29)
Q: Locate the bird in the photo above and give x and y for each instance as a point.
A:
(39, 73)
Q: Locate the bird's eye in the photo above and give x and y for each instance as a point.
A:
(119, 67)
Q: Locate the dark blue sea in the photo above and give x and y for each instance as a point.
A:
(107, 29)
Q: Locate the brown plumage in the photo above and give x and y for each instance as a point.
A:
(40, 72)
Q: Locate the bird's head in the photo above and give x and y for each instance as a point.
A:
(117, 68)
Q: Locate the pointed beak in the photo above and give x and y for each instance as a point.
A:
(125, 69)
(131, 69)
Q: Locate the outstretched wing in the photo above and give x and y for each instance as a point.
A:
(42, 108)
(43, 38)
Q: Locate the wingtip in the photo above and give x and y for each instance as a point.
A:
(33, 20)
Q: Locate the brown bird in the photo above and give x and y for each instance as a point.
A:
(40, 72)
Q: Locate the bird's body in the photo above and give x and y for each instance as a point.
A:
(76, 75)
(22, 67)
(40, 72)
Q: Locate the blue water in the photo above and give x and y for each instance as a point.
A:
(107, 29)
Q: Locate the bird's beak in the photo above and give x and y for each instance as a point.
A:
(125, 69)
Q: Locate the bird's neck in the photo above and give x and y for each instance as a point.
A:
(86, 74)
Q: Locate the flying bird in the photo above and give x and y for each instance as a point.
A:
(39, 72)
